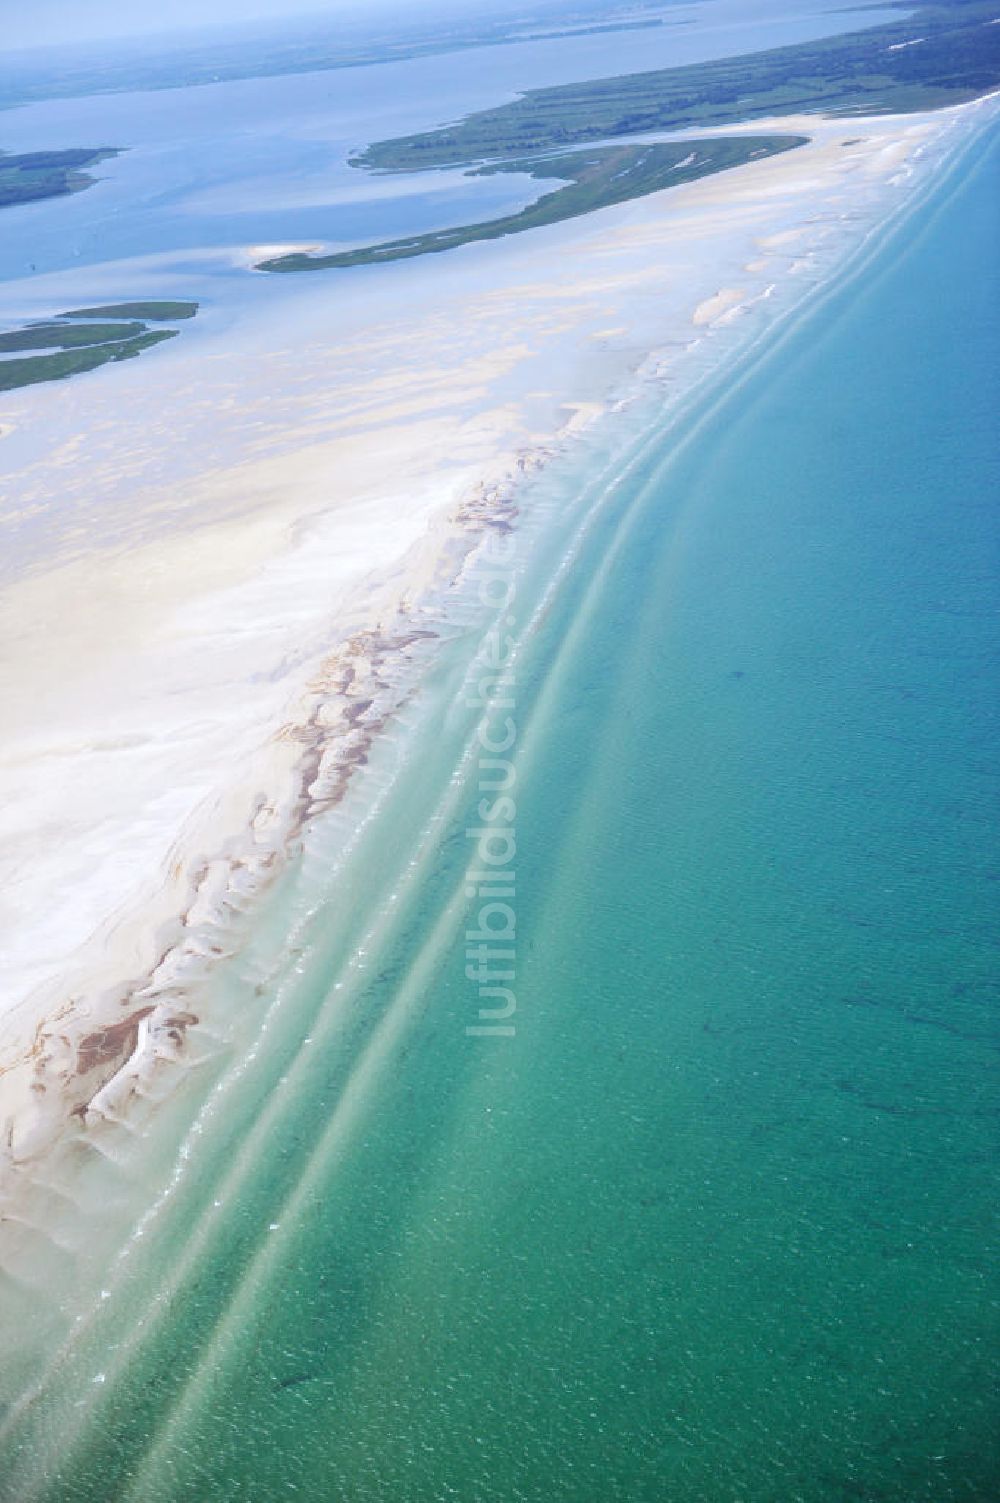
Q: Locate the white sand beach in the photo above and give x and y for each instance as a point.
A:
(251, 529)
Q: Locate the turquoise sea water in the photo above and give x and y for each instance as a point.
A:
(715, 1222)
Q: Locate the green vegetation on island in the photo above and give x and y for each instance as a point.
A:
(946, 52)
(47, 174)
(69, 349)
(942, 54)
(594, 179)
(56, 336)
(154, 312)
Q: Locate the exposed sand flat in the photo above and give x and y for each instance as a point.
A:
(714, 307)
(201, 642)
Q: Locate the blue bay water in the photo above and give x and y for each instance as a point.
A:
(716, 1222)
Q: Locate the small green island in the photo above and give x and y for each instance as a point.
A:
(83, 339)
(35, 175)
(592, 179)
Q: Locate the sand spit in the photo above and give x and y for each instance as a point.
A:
(248, 557)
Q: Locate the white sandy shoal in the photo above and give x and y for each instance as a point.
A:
(720, 303)
(158, 674)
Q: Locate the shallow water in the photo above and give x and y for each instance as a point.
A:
(714, 1222)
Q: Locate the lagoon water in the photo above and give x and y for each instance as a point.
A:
(714, 1222)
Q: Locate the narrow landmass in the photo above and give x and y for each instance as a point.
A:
(48, 174)
(64, 336)
(943, 54)
(69, 349)
(160, 312)
(593, 180)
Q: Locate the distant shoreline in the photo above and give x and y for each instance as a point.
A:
(933, 59)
